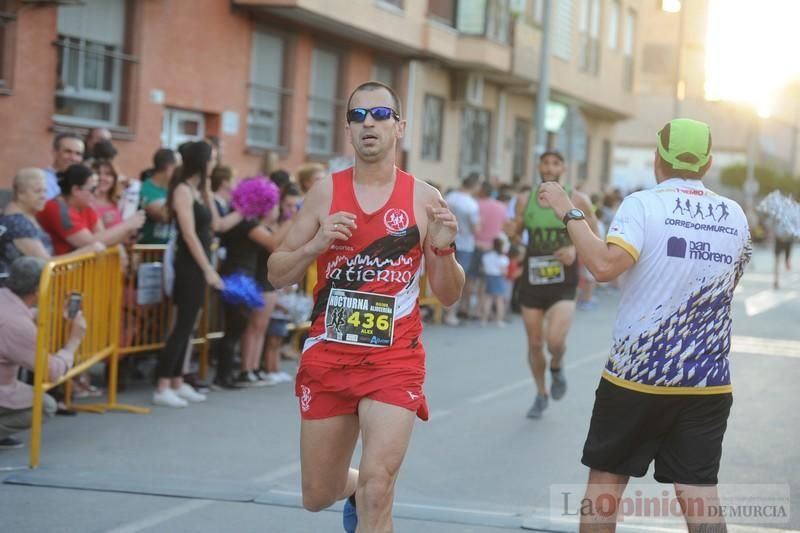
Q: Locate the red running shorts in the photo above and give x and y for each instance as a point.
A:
(327, 392)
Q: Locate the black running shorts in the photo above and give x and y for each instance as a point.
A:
(681, 433)
(544, 296)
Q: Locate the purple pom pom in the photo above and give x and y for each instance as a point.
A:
(255, 197)
(242, 289)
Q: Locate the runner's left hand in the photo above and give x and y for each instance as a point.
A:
(566, 255)
(551, 194)
(442, 225)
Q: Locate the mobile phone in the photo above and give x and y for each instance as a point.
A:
(73, 304)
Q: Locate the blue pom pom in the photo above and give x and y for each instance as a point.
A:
(242, 289)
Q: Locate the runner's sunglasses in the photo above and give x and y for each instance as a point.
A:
(359, 114)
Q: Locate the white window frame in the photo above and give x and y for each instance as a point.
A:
(392, 5)
(334, 101)
(80, 46)
(391, 68)
(522, 140)
(628, 48)
(432, 140)
(112, 97)
(475, 160)
(613, 24)
(7, 22)
(253, 119)
(589, 29)
(498, 21)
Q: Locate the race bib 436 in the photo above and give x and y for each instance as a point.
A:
(362, 318)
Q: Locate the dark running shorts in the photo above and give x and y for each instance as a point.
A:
(783, 246)
(682, 433)
(544, 296)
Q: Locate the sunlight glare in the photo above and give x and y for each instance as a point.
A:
(751, 50)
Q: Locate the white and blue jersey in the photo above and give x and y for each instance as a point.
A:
(673, 329)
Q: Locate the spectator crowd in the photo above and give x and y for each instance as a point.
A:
(83, 203)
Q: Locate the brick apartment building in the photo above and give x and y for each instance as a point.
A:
(272, 75)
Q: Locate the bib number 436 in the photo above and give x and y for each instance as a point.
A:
(368, 321)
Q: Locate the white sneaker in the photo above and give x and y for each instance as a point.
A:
(168, 398)
(271, 378)
(264, 379)
(284, 377)
(188, 393)
(451, 321)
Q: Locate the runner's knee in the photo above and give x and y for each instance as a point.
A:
(316, 501)
(375, 488)
(319, 496)
(535, 345)
(556, 346)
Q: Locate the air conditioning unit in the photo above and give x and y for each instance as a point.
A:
(466, 88)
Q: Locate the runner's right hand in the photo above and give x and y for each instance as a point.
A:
(338, 226)
(566, 255)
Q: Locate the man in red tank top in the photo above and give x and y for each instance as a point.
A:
(363, 366)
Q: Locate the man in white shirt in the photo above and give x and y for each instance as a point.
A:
(665, 393)
(465, 207)
(68, 150)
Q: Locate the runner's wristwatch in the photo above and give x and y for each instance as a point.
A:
(573, 214)
(441, 252)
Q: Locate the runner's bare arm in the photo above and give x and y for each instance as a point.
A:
(445, 275)
(312, 232)
(583, 203)
(515, 226)
(604, 260)
(568, 254)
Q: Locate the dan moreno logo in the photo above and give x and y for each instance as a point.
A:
(699, 250)
(396, 222)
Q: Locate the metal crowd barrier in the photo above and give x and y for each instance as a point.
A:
(98, 278)
(126, 314)
(147, 312)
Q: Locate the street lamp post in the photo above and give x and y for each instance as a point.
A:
(543, 92)
(675, 6)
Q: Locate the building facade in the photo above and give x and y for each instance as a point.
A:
(272, 76)
(672, 83)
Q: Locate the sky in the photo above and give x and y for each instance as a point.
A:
(752, 50)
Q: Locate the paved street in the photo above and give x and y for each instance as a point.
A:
(478, 466)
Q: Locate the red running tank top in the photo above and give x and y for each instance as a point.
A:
(383, 256)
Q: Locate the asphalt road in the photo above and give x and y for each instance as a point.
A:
(477, 466)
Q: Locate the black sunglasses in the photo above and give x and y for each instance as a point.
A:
(359, 114)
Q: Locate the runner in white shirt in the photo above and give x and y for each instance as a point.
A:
(665, 394)
(464, 206)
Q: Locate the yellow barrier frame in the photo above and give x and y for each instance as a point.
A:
(98, 278)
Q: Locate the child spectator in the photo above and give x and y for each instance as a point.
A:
(495, 267)
(276, 332)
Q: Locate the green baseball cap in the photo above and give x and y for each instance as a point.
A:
(685, 144)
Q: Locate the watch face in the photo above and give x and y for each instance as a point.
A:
(575, 213)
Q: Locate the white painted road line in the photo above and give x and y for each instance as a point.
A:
(529, 381)
(161, 517)
(765, 346)
(765, 300)
(194, 505)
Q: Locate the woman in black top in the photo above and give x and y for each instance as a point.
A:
(190, 202)
(247, 246)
